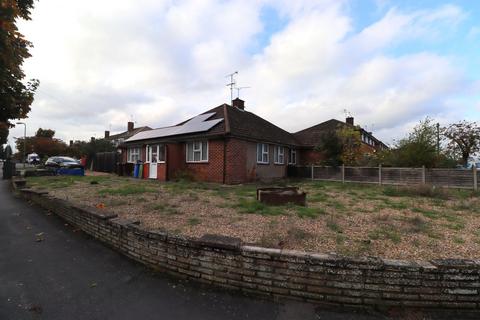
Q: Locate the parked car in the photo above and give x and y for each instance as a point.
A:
(63, 162)
(33, 158)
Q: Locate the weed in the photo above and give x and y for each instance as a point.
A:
(418, 225)
(458, 240)
(386, 232)
(254, 206)
(417, 191)
(334, 226)
(297, 234)
(125, 190)
(432, 214)
(303, 212)
(194, 221)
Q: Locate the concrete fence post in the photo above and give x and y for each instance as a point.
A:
(475, 179)
(380, 174)
(343, 173)
(311, 171)
(424, 175)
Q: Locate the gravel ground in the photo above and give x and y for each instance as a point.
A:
(349, 219)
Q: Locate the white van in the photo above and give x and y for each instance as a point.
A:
(33, 158)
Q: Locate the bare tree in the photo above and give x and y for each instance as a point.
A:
(464, 138)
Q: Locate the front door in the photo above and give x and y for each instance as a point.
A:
(152, 158)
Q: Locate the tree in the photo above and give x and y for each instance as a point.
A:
(45, 133)
(43, 143)
(419, 148)
(351, 140)
(15, 95)
(464, 139)
(331, 148)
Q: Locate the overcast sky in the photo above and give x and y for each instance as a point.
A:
(389, 63)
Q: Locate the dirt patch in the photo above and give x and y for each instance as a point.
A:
(350, 219)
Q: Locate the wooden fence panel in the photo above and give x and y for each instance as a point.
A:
(449, 178)
(327, 173)
(361, 174)
(456, 178)
(402, 176)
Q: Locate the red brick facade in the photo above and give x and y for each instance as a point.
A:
(230, 161)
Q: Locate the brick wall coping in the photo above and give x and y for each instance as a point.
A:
(315, 277)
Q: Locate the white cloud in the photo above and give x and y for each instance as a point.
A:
(100, 63)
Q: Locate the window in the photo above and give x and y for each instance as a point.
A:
(133, 155)
(197, 151)
(262, 153)
(293, 157)
(278, 155)
(156, 153)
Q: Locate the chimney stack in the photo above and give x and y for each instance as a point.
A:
(92, 139)
(238, 103)
(107, 134)
(130, 126)
(349, 121)
(71, 143)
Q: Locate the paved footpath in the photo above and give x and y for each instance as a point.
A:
(69, 275)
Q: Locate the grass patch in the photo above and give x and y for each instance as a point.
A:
(254, 206)
(125, 190)
(164, 208)
(417, 191)
(333, 225)
(194, 221)
(458, 240)
(386, 232)
(306, 212)
(298, 234)
(432, 214)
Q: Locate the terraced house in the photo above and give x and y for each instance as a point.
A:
(226, 144)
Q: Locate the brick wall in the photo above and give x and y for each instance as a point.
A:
(211, 171)
(319, 278)
(309, 156)
(236, 162)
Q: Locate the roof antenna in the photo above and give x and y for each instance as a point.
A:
(238, 90)
(231, 84)
(347, 113)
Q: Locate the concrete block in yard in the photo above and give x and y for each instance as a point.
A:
(220, 242)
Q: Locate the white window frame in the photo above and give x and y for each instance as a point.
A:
(197, 150)
(278, 152)
(131, 153)
(265, 151)
(149, 155)
(293, 153)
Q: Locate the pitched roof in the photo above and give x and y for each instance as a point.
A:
(236, 123)
(127, 134)
(311, 136)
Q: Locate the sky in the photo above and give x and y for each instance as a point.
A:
(388, 63)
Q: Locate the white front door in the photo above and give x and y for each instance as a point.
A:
(152, 158)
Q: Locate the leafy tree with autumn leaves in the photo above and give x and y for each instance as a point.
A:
(16, 96)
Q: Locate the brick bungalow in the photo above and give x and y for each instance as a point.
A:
(226, 144)
(310, 137)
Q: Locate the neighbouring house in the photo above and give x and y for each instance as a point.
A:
(226, 144)
(310, 138)
(119, 138)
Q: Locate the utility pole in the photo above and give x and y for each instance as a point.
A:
(438, 138)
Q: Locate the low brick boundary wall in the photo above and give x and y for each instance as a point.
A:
(318, 278)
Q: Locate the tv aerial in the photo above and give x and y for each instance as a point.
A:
(238, 90)
(232, 83)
